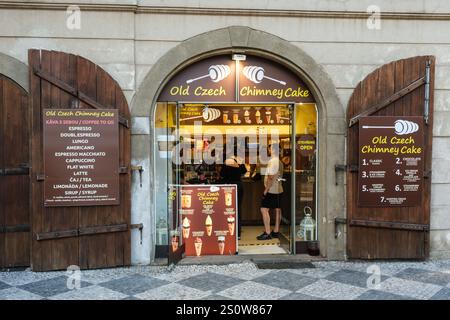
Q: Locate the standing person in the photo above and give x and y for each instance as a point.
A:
(273, 190)
(231, 173)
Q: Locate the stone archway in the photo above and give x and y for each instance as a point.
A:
(15, 70)
(331, 192)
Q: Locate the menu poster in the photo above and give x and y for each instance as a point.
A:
(208, 217)
(391, 154)
(81, 157)
(225, 115)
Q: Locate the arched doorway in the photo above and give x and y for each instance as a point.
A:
(250, 42)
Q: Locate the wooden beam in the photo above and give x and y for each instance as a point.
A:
(389, 225)
(384, 103)
(78, 94)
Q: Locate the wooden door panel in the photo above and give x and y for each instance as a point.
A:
(382, 87)
(14, 179)
(97, 237)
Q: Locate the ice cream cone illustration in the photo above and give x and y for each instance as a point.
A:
(230, 221)
(247, 116)
(221, 242)
(198, 246)
(258, 116)
(208, 225)
(186, 228)
(174, 243)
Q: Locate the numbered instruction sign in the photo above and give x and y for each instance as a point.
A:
(391, 154)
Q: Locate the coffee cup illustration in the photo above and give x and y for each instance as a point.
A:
(247, 116)
(225, 117)
(186, 201)
(268, 116)
(228, 199)
(258, 116)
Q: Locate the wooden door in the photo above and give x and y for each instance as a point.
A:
(14, 175)
(86, 236)
(395, 89)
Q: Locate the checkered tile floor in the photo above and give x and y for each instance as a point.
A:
(328, 280)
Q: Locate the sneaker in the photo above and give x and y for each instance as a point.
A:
(264, 236)
(274, 234)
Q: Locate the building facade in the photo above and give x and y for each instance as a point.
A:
(330, 45)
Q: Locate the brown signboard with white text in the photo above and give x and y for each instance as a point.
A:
(390, 161)
(81, 157)
(214, 79)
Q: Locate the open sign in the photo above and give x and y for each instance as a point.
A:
(306, 145)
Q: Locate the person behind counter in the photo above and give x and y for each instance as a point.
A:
(231, 173)
(273, 190)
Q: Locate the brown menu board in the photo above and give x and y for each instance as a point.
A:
(226, 115)
(208, 217)
(391, 151)
(81, 157)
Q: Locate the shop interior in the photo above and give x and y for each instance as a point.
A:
(252, 127)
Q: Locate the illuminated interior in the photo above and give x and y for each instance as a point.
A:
(274, 120)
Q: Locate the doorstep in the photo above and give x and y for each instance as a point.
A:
(256, 258)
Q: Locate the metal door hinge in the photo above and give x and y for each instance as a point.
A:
(344, 167)
(338, 221)
(22, 169)
(123, 169)
(81, 232)
(14, 229)
(140, 169)
(138, 226)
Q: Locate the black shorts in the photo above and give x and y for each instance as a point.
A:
(271, 201)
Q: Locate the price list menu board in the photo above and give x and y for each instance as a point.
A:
(81, 157)
(391, 151)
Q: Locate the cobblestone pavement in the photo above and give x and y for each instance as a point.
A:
(327, 280)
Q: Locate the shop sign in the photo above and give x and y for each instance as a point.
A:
(391, 154)
(208, 218)
(211, 79)
(224, 115)
(215, 80)
(262, 80)
(81, 157)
